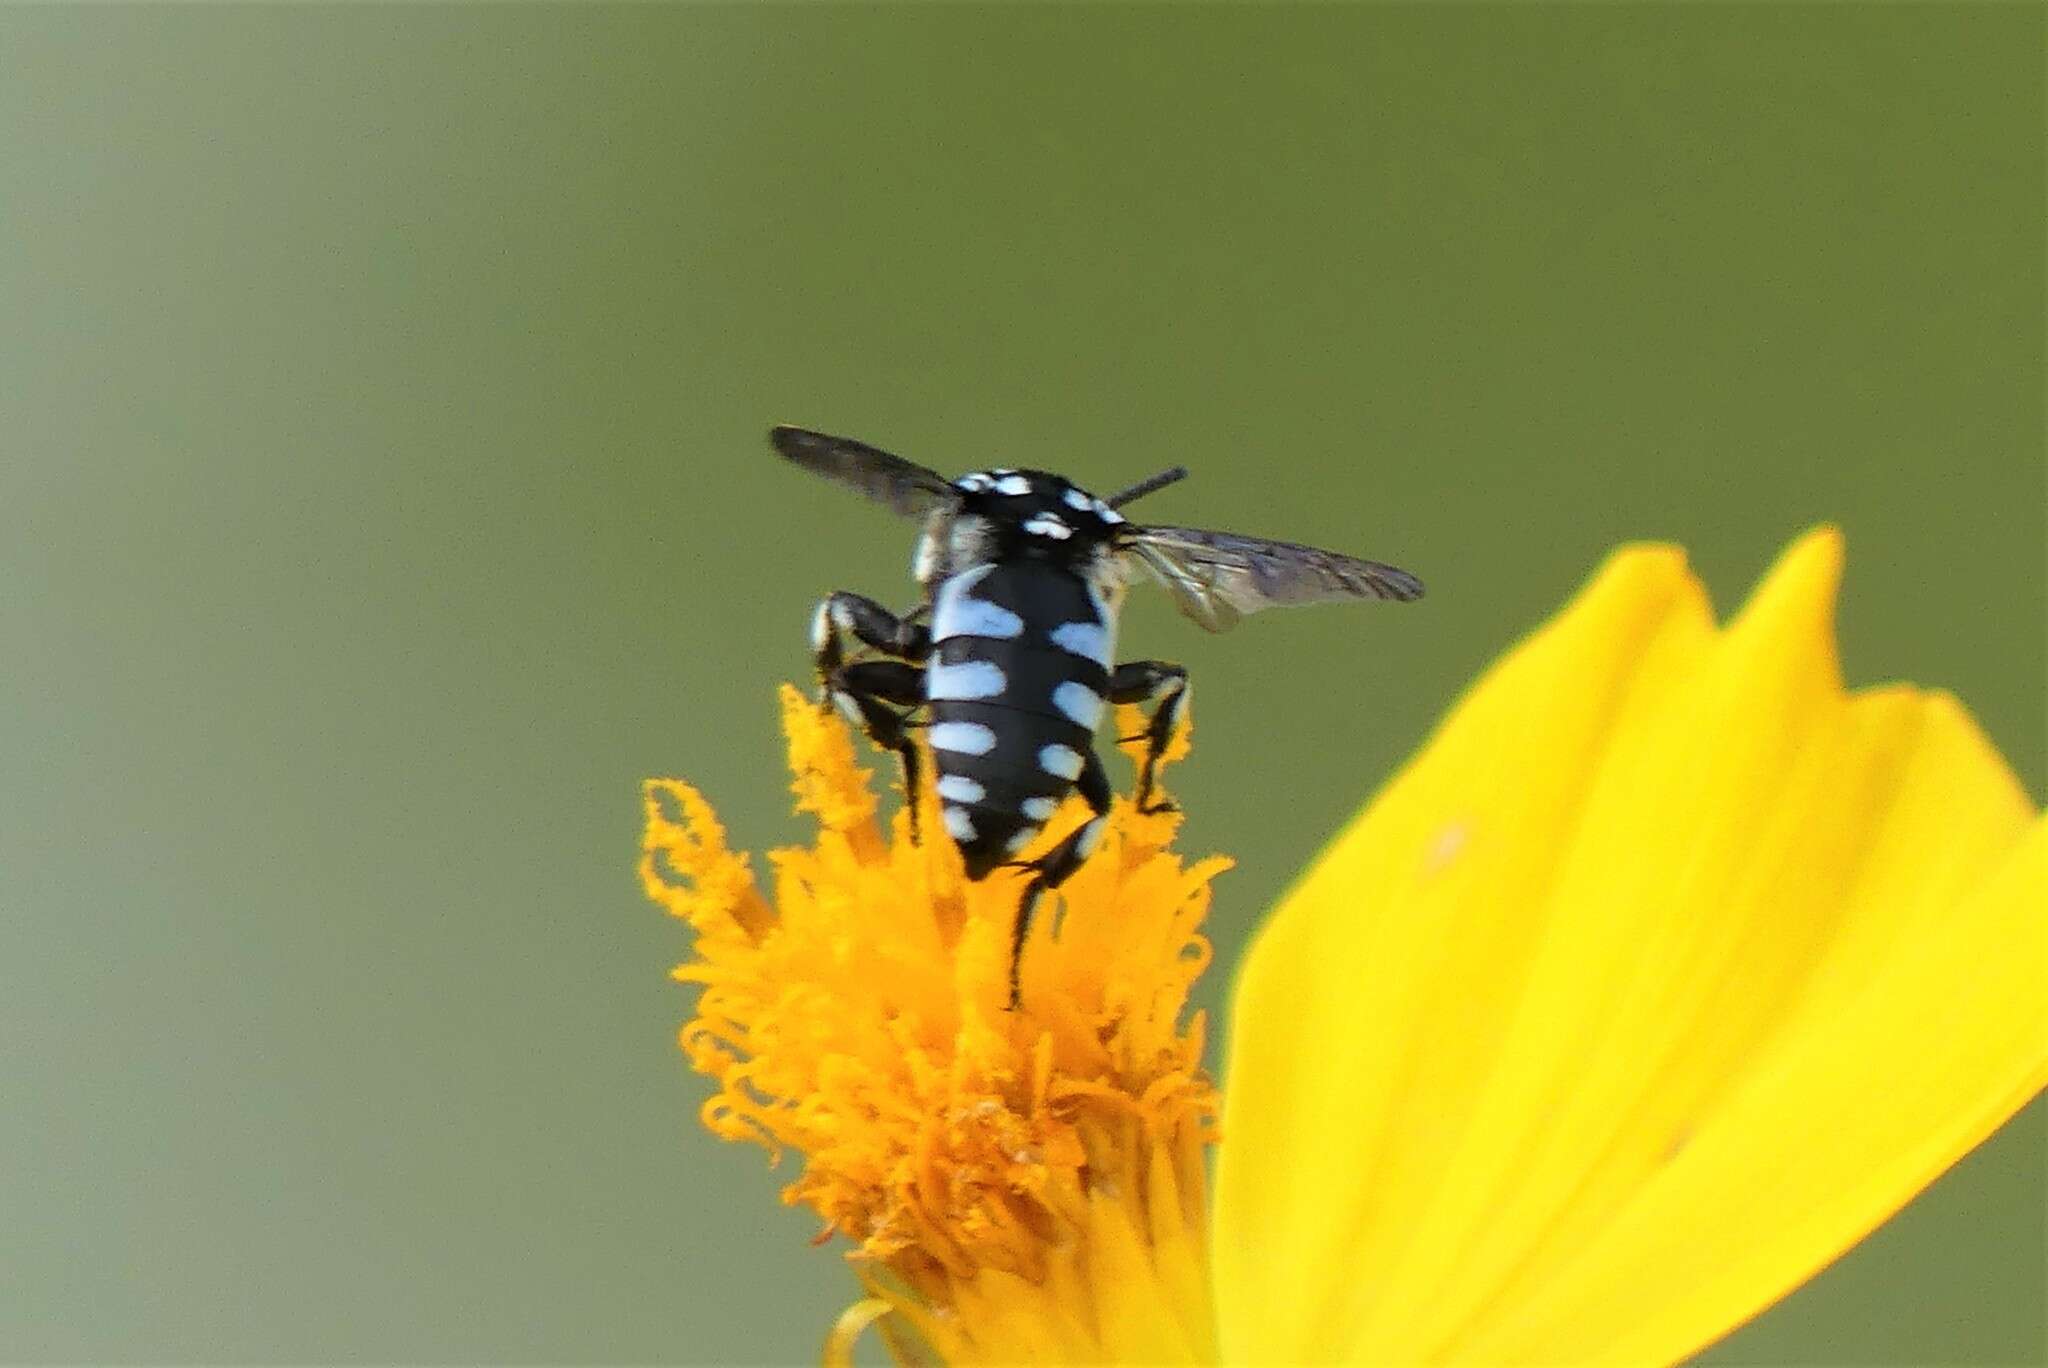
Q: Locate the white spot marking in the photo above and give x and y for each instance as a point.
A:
(1084, 639)
(962, 738)
(974, 483)
(1077, 501)
(960, 788)
(1081, 704)
(1024, 837)
(1048, 525)
(955, 614)
(821, 626)
(1106, 513)
(1064, 761)
(1002, 470)
(1039, 809)
(968, 679)
(1013, 485)
(959, 822)
(1091, 837)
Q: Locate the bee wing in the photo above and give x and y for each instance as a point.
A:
(902, 486)
(1217, 577)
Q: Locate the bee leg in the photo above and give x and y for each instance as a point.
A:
(878, 696)
(1152, 681)
(900, 638)
(1055, 866)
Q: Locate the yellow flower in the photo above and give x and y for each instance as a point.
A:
(1662, 974)
(1020, 1185)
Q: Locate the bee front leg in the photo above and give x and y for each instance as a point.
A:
(842, 614)
(878, 696)
(1166, 686)
(865, 691)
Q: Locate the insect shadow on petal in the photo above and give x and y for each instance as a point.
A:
(1010, 657)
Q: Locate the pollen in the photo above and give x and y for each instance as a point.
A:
(1020, 1185)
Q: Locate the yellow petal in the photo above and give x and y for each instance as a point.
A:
(1595, 965)
(1936, 1051)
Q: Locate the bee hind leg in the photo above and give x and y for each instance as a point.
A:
(1165, 686)
(1053, 868)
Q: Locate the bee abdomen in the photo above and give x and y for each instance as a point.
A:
(1002, 774)
(1016, 684)
(1018, 676)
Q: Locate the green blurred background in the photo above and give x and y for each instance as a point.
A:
(383, 492)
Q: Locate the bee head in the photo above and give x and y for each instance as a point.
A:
(1036, 514)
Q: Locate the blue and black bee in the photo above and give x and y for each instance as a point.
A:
(1012, 655)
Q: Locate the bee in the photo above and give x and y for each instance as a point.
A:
(1010, 658)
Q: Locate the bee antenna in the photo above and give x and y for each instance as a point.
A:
(1148, 485)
